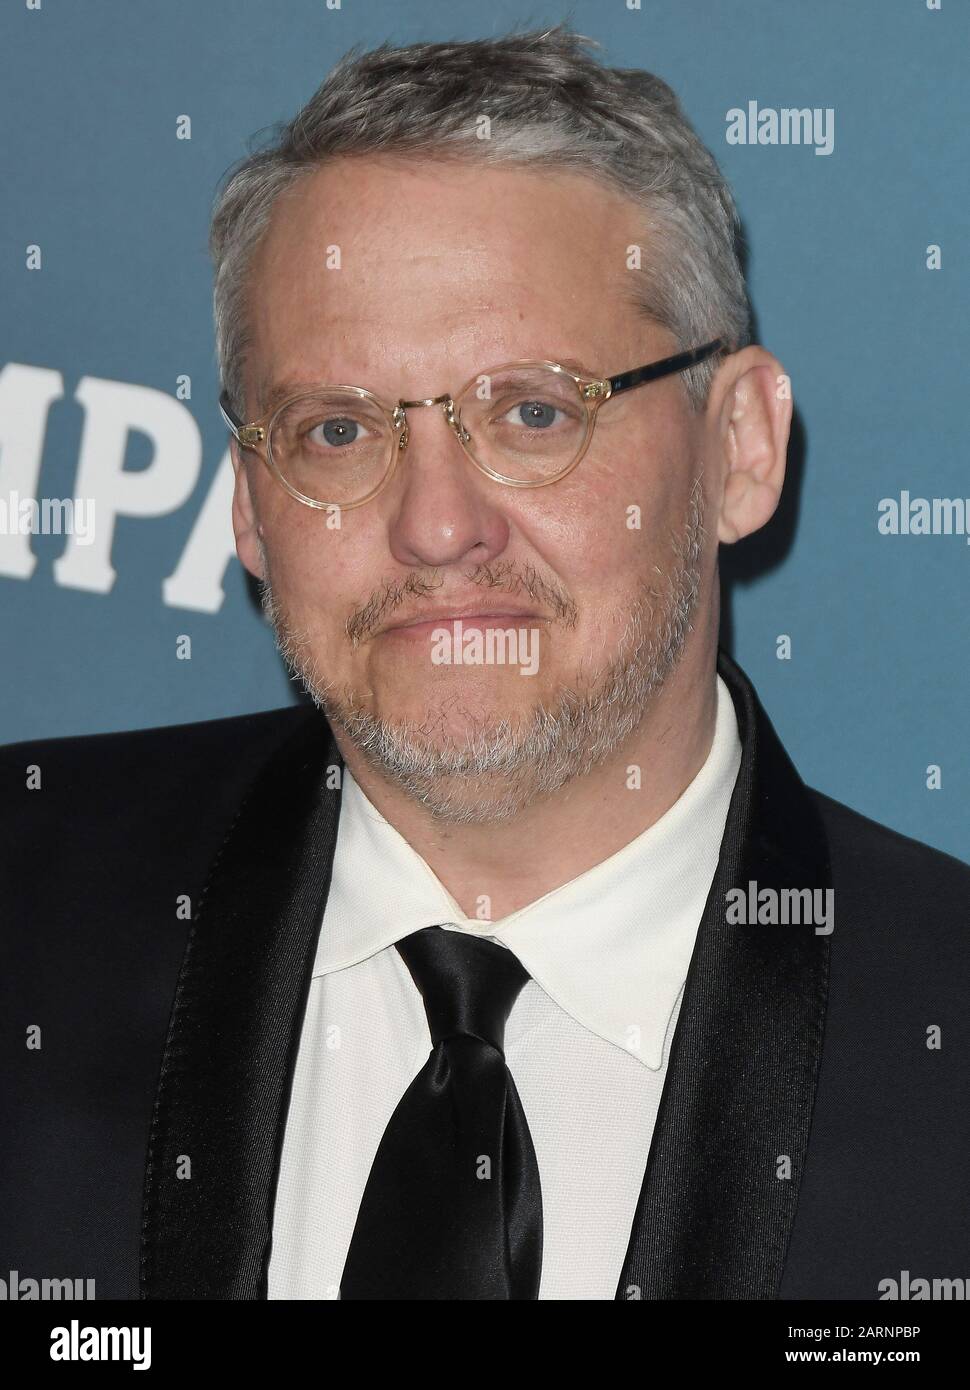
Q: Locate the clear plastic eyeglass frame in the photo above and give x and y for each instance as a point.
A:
(593, 391)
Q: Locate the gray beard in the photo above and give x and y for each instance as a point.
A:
(491, 773)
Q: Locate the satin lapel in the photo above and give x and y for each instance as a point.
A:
(716, 1209)
(231, 1049)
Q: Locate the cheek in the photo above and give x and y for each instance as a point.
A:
(319, 572)
(607, 526)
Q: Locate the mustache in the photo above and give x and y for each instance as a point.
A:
(504, 578)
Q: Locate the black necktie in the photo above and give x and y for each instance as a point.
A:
(452, 1208)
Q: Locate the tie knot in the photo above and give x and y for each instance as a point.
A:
(468, 984)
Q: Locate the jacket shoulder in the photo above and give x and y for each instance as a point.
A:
(909, 894)
(106, 844)
(166, 751)
(885, 1170)
(876, 851)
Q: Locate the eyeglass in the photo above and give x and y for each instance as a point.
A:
(524, 424)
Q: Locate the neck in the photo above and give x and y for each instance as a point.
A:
(486, 868)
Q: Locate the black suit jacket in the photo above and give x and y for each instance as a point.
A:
(167, 1037)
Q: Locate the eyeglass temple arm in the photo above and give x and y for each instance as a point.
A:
(667, 367)
(229, 415)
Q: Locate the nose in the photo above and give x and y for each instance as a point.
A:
(443, 510)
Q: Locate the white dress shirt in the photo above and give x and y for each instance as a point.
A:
(587, 1039)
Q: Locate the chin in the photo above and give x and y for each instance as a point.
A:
(452, 719)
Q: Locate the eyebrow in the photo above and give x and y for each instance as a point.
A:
(271, 396)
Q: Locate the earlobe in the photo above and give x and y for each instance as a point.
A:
(755, 425)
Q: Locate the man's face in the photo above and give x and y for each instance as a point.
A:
(446, 270)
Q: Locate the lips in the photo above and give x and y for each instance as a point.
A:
(472, 617)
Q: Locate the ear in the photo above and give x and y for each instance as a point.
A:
(752, 406)
(244, 522)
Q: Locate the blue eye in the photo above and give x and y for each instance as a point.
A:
(339, 431)
(536, 414)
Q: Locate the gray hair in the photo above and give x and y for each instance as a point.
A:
(549, 104)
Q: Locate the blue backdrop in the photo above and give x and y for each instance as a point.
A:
(859, 276)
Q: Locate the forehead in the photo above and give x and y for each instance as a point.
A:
(391, 267)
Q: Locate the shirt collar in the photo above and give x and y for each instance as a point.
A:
(611, 947)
